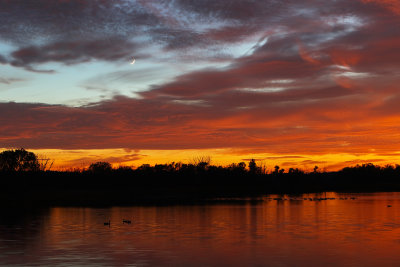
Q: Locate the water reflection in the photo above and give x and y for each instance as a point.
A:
(291, 232)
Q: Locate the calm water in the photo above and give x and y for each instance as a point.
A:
(360, 232)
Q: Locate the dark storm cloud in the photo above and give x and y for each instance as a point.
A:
(67, 29)
(66, 26)
(74, 52)
(24, 21)
(48, 22)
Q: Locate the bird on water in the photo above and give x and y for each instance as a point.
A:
(126, 221)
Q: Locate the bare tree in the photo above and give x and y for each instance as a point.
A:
(201, 160)
(45, 163)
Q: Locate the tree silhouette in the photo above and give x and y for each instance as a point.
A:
(18, 160)
(315, 169)
(100, 167)
(253, 168)
(278, 170)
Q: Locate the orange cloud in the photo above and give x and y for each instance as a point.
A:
(392, 5)
(305, 55)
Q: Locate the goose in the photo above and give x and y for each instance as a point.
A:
(126, 221)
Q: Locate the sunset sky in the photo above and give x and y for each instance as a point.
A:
(287, 82)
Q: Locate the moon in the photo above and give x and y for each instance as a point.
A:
(133, 61)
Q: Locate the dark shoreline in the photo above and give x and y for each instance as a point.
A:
(153, 197)
(163, 185)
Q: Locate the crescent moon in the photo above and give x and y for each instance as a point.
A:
(133, 61)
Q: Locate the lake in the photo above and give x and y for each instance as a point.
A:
(272, 231)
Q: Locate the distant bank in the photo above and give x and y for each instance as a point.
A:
(182, 184)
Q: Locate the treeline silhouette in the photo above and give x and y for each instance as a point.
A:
(23, 178)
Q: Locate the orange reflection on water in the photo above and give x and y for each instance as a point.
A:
(288, 232)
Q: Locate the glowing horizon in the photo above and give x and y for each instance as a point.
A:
(81, 159)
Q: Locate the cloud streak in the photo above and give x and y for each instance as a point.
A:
(69, 53)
